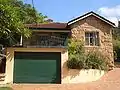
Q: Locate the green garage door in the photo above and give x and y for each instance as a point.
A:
(43, 67)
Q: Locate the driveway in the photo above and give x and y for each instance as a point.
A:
(110, 81)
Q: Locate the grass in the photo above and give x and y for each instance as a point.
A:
(5, 88)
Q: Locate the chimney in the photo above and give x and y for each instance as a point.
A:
(118, 24)
(49, 20)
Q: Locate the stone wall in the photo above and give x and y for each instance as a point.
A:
(92, 23)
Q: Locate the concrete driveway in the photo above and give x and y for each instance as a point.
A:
(110, 81)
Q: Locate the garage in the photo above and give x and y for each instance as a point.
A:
(37, 67)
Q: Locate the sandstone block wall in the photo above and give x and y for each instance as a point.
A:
(92, 23)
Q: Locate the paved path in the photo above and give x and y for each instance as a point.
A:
(110, 81)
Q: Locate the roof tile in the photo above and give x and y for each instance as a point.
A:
(48, 25)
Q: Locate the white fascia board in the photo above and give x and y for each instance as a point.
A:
(89, 15)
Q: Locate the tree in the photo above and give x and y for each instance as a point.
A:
(11, 26)
(116, 33)
(116, 43)
(14, 15)
(28, 13)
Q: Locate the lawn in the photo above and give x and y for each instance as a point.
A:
(5, 88)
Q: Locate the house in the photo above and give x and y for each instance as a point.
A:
(41, 58)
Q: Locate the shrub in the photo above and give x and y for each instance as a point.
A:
(79, 60)
(92, 60)
(72, 63)
(75, 47)
(116, 48)
(75, 51)
(95, 60)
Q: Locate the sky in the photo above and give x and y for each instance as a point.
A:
(66, 10)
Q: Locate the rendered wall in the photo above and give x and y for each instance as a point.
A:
(10, 58)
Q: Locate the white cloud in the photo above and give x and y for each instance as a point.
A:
(111, 13)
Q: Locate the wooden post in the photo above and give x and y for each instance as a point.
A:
(21, 40)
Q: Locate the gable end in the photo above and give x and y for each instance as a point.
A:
(89, 14)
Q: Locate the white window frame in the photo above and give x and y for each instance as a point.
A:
(95, 35)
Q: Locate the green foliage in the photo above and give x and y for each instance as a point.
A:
(75, 47)
(76, 62)
(11, 26)
(29, 14)
(72, 63)
(116, 43)
(95, 60)
(14, 14)
(116, 47)
(5, 88)
(116, 33)
(75, 51)
(79, 60)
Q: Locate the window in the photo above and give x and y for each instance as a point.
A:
(92, 38)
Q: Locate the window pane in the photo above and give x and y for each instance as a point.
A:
(92, 41)
(87, 34)
(86, 41)
(97, 39)
(92, 38)
(91, 35)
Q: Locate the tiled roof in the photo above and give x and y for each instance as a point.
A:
(48, 25)
(56, 25)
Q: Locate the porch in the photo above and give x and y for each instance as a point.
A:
(47, 39)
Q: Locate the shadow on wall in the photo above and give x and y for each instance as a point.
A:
(67, 72)
(80, 76)
(9, 56)
(2, 65)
